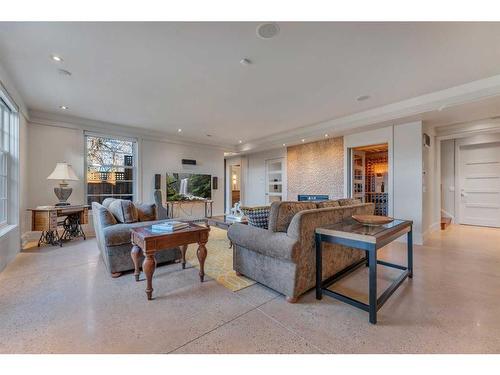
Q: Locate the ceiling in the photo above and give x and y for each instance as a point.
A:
(176, 75)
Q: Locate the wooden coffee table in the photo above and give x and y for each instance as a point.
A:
(148, 242)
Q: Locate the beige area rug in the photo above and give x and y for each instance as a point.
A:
(219, 262)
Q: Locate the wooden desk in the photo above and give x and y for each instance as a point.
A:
(45, 219)
(148, 242)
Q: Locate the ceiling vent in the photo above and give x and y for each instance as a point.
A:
(268, 30)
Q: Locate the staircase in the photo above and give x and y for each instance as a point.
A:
(445, 221)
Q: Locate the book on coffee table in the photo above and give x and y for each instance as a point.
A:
(169, 226)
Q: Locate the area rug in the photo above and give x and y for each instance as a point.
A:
(219, 262)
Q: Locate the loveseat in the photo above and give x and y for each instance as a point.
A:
(112, 223)
(282, 257)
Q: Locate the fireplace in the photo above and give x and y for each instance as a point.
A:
(312, 198)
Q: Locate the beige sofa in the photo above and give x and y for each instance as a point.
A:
(282, 257)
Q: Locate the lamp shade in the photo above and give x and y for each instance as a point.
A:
(63, 171)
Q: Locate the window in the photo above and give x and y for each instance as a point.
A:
(6, 119)
(110, 168)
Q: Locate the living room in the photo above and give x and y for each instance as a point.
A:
(236, 187)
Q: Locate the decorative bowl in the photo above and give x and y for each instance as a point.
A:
(372, 220)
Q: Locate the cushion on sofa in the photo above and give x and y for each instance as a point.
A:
(282, 214)
(146, 211)
(124, 211)
(328, 204)
(119, 234)
(107, 201)
(272, 244)
(105, 217)
(257, 216)
(349, 201)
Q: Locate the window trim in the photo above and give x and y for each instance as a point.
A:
(12, 163)
(134, 167)
(4, 157)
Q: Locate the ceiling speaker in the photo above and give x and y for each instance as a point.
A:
(268, 30)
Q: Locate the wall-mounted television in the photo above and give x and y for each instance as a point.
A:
(188, 186)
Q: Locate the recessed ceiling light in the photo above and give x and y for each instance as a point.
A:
(284, 144)
(240, 141)
(363, 98)
(63, 107)
(245, 61)
(268, 30)
(179, 130)
(57, 58)
(326, 135)
(303, 140)
(64, 72)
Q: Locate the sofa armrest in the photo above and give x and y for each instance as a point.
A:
(263, 241)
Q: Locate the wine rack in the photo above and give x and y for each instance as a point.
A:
(374, 165)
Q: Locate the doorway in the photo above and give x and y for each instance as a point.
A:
(235, 173)
(370, 176)
(478, 195)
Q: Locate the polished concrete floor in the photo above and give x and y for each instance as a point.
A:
(61, 300)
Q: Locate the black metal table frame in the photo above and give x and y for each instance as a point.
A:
(374, 303)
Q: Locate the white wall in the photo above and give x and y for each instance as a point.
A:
(48, 145)
(431, 215)
(161, 157)
(255, 176)
(242, 162)
(51, 144)
(407, 170)
(448, 177)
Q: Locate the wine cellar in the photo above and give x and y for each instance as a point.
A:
(370, 176)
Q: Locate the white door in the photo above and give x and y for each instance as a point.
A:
(480, 184)
(275, 180)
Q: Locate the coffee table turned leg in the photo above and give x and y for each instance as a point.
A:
(202, 255)
(136, 253)
(183, 251)
(148, 266)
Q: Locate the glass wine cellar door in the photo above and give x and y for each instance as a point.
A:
(369, 176)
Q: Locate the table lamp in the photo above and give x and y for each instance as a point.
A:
(63, 172)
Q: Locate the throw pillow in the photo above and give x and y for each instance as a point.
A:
(282, 213)
(146, 211)
(328, 204)
(106, 218)
(257, 216)
(349, 201)
(124, 211)
(106, 202)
